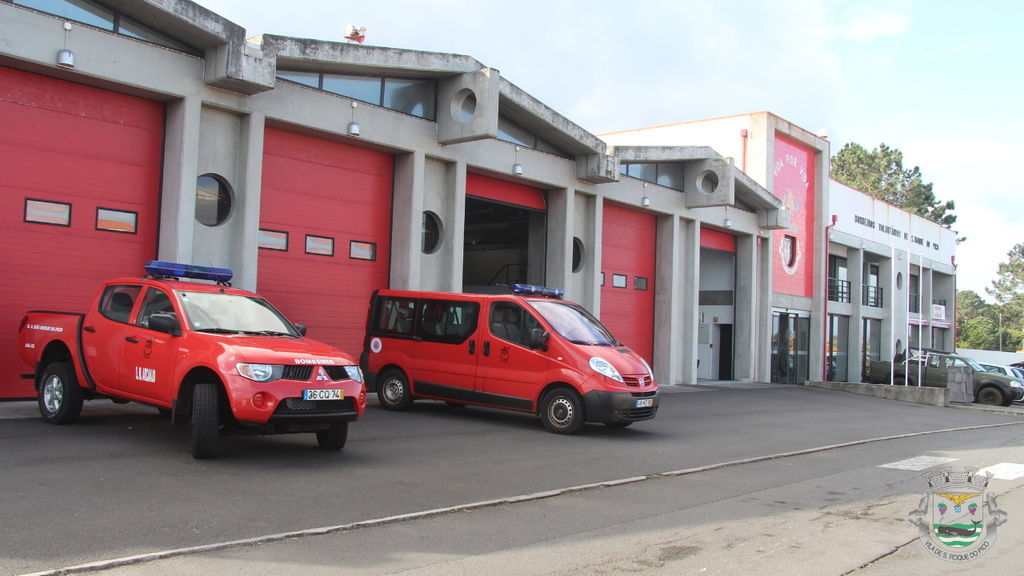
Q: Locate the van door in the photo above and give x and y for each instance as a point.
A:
(446, 351)
(511, 373)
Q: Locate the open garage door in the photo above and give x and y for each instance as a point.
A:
(79, 197)
(325, 230)
(505, 235)
(628, 251)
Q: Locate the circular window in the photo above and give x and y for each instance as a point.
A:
(464, 106)
(707, 182)
(577, 254)
(213, 200)
(431, 232)
(899, 280)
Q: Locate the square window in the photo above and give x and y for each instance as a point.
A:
(618, 280)
(46, 212)
(117, 220)
(322, 245)
(273, 240)
(639, 283)
(602, 278)
(362, 250)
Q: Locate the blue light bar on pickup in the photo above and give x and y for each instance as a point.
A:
(175, 270)
(530, 289)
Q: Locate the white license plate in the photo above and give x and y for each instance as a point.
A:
(325, 394)
(645, 403)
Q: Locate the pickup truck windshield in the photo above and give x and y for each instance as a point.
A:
(574, 323)
(232, 313)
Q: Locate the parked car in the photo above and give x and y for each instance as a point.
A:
(930, 369)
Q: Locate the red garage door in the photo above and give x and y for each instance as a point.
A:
(627, 262)
(325, 230)
(79, 194)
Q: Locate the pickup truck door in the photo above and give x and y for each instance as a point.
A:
(148, 356)
(103, 331)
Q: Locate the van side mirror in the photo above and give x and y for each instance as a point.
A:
(167, 323)
(538, 339)
(301, 329)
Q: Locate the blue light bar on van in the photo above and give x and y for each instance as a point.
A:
(175, 270)
(530, 289)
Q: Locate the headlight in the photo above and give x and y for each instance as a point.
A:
(259, 372)
(354, 373)
(1016, 384)
(602, 366)
(648, 366)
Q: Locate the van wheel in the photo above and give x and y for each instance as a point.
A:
(393, 391)
(991, 396)
(60, 396)
(333, 438)
(562, 411)
(205, 420)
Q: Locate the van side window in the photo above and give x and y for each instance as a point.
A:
(117, 301)
(511, 323)
(447, 322)
(394, 316)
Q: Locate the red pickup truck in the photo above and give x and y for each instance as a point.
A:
(217, 357)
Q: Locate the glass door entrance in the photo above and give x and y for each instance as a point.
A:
(790, 340)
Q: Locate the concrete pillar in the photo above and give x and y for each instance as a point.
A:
(595, 259)
(406, 221)
(855, 265)
(178, 189)
(457, 216)
(668, 321)
(745, 308)
(763, 364)
(689, 298)
(250, 170)
(558, 261)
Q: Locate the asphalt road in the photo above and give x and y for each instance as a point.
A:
(121, 483)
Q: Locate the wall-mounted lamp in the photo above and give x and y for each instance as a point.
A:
(646, 200)
(353, 126)
(65, 57)
(728, 223)
(517, 168)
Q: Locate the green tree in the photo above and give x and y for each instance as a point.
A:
(976, 322)
(881, 174)
(1008, 291)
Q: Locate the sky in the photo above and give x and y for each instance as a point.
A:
(939, 80)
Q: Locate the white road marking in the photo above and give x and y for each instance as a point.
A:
(918, 463)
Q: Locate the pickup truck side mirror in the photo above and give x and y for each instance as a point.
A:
(301, 328)
(164, 323)
(538, 339)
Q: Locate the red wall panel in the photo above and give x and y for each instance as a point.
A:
(717, 240)
(323, 188)
(90, 148)
(503, 191)
(629, 248)
(794, 185)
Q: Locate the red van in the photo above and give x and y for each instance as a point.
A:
(528, 351)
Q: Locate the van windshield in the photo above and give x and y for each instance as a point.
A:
(574, 323)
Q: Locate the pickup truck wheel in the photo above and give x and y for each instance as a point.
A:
(334, 437)
(60, 396)
(205, 422)
(393, 391)
(562, 411)
(991, 396)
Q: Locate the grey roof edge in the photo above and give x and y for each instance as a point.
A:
(526, 105)
(323, 55)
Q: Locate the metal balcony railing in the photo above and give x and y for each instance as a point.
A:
(838, 290)
(872, 296)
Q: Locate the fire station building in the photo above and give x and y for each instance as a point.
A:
(321, 171)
